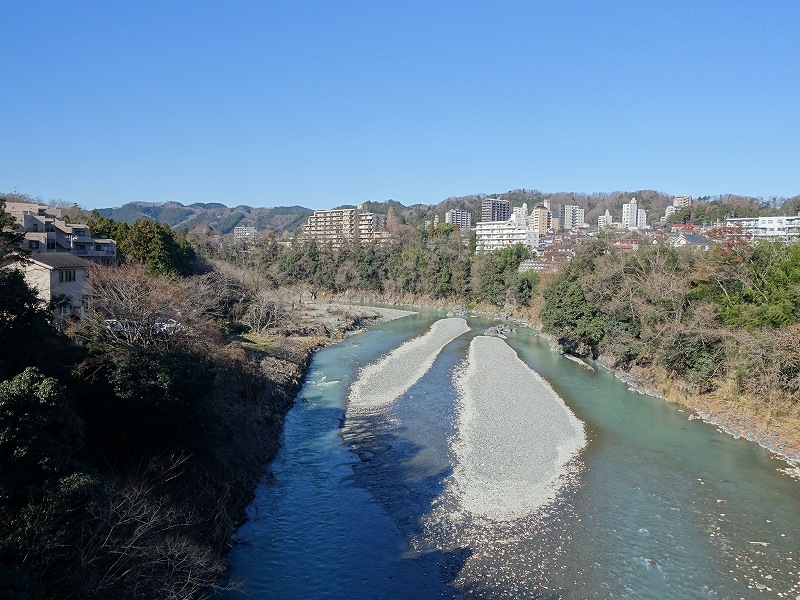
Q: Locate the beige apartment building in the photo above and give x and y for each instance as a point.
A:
(46, 232)
(344, 225)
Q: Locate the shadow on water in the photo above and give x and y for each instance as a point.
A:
(404, 459)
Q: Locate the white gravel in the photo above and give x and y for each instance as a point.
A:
(384, 381)
(516, 437)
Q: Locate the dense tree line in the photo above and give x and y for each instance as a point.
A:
(147, 242)
(723, 321)
(438, 263)
(129, 442)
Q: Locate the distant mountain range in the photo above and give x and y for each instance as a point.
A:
(213, 214)
(291, 218)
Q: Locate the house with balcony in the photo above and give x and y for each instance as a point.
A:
(47, 232)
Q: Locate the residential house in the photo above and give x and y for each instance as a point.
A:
(59, 278)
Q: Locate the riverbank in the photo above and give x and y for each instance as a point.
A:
(781, 438)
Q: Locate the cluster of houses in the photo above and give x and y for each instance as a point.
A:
(59, 256)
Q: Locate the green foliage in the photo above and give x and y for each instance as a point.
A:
(524, 287)
(159, 397)
(754, 285)
(39, 434)
(695, 357)
(25, 328)
(10, 238)
(157, 247)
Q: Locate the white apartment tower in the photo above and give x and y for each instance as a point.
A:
(633, 217)
(570, 217)
(605, 220)
(456, 216)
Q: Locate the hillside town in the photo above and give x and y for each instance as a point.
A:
(60, 251)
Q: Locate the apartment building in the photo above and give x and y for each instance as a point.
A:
(605, 220)
(456, 216)
(633, 217)
(540, 219)
(344, 225)
(493, 209)
(786, 228)
(47, 232)
(494, 235)
(245, 235)
(570, 217)
(682, 201)
(61, 278)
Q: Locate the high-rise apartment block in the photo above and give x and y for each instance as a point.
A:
(456, 216)
(605, 220)
(682, 201)
(494, 235)
(570, 217)
(493, 209)
(633, 217)
(344, 225)
(540, 219)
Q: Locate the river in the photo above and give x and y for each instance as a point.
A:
(359, 504)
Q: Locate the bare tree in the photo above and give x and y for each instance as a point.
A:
(267, 311)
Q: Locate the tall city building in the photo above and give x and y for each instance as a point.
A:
(605, 220)
(520, 213)
(633, 217)
(682, 201)
(456, 216)
(540, 219)
(570, 217)
(493, 209)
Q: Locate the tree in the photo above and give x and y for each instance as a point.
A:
(157, 247)
(10, 238)
(39, 434)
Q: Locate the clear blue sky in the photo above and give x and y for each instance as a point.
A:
(321, 103)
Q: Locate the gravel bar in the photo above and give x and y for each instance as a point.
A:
(516, 437)
(384, 381)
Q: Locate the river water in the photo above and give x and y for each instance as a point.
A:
(658, 506)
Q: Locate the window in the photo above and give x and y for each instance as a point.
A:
(49, 227)
(33, 244)
(66, 276)
(51, 244)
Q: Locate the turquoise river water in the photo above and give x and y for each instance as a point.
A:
(660, 506)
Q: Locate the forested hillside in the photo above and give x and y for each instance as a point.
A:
(130, 442)
(722, 323)
(217, 216)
